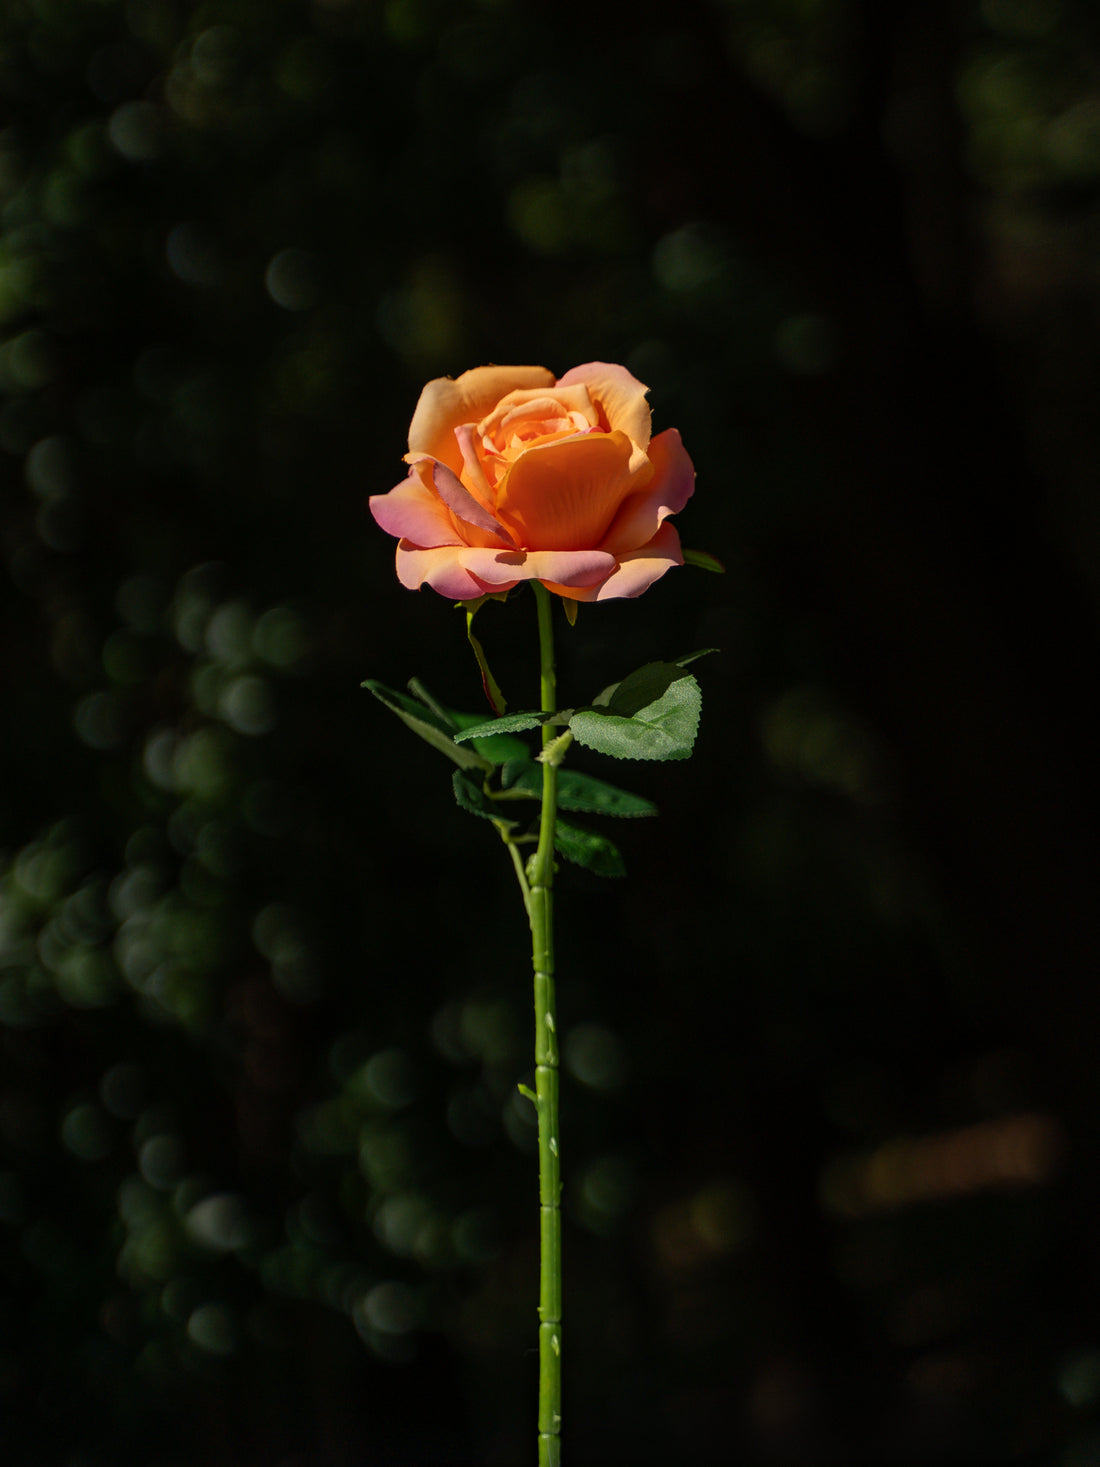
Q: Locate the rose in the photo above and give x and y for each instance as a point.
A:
(515, 477)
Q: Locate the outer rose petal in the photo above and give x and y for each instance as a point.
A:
(671, 487)
(636, 572)
(569, 567)
(445, 405)
(440, 568)
(413, 512)
(499, 568)
(462, 571)
(621, 397)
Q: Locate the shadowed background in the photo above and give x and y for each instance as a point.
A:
(267, 1193)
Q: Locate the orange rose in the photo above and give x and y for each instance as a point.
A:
(515, 477)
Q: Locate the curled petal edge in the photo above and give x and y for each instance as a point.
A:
(447, 402)
(464, 571)
(412, 512)
(635, 571)
(621, 397)
(462, 503)
(643, 512)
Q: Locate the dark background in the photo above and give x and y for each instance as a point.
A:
(267, 1195)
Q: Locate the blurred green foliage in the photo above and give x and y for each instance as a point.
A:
(266, 1183)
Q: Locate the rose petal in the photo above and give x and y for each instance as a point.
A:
(620, 397)
(671, 487)
(442, 569)
(564, 495)
(569, 567)
(462, 503)
(571, 407)
(636, 572)
(413, 512)
(445, 404)
(473, 470)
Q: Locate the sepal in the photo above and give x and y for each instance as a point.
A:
(492, 688)
(704, 561)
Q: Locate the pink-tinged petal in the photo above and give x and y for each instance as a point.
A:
(462, 503)
(441, 568)
(636, 572)
(413, 512)
(496, 569)
(671, 487)
(570, 567)
(501, 568)
(445, 404)
(564, 495)
(620, 397)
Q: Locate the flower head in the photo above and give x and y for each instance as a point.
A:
(514, 476)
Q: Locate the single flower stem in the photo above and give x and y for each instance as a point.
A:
(541, 911)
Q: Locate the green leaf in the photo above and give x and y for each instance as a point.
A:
(498, 748)
(644, 687)
(424, 709)
(512, 770)
(580, 792)
(704, 561)
(510, 723)
(595, 797)
(427, 724)
(652, 714)
(604, 697)
(421, 693)
(470, 796)
(587, 848)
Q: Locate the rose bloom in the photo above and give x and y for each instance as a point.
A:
(515, 477)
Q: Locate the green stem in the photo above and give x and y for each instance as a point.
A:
(504, 831)
(540, 908)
